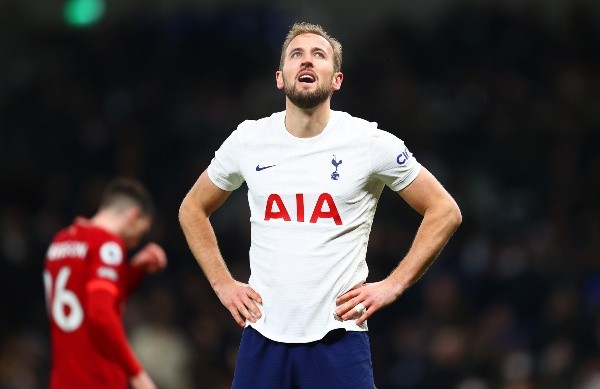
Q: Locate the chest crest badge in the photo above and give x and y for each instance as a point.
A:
(335, 175)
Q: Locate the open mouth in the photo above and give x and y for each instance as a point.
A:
(306, 77)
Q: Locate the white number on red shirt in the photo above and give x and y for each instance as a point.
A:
(63, 305)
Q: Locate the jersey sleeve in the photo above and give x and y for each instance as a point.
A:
(108, 263)
(224, 169)
(391, 160)
(106, 289)
(106, 328)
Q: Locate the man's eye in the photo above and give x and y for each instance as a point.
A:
(296, 54)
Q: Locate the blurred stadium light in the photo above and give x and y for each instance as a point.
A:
(81, 13)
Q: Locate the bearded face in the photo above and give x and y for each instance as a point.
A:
(306, 99)
(307, 74)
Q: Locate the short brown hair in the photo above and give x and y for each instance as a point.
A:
(308, 28)
(124, 192)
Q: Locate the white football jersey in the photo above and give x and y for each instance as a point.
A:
(312, 202)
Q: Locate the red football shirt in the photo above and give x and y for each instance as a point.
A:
(87, 278)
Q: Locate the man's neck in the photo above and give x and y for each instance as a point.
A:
(108, 221)
(304, 123)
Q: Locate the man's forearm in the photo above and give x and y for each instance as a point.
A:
(202, 241)
(436, 228)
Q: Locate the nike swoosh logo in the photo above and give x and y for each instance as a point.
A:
(258, 168)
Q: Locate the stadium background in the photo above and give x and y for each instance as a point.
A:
(501, 100)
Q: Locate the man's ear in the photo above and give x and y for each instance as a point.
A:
(279, 79)
(338, 77)
(132, 214)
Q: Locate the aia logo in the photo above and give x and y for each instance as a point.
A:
(325, 208)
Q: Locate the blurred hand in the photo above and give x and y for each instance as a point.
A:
(150, 259)
(241, 301)
(142, 381)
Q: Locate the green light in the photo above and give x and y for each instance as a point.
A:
(83, 12)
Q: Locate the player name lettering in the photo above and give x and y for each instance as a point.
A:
(325, 208)
(69, 249)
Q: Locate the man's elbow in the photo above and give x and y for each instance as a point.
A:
(454, 215)
(184, 211)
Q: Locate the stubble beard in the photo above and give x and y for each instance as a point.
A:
(306, 100)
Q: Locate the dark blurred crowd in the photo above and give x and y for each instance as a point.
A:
(503, 107)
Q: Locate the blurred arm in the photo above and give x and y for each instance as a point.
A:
(106, 328)
(150, 259)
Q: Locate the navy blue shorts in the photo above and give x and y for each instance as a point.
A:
(342, 359)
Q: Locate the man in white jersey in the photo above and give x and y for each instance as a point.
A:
(314, 177)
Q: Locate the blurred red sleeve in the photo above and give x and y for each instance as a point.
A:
(106, 327)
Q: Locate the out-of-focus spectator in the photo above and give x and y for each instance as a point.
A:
(161, 345)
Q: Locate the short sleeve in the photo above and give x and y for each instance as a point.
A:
(391, 160)
(224, 169)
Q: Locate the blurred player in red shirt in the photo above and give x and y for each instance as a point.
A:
(87, 279)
